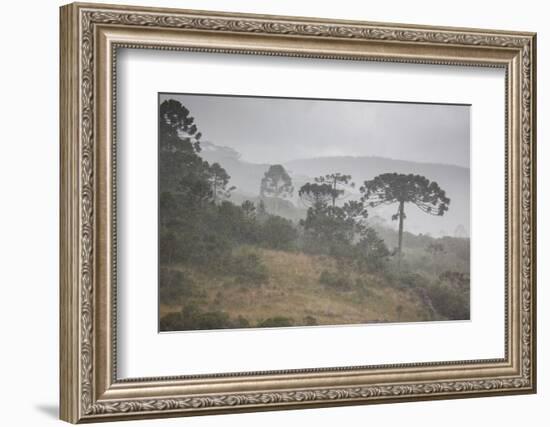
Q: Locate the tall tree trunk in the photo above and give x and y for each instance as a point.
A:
(215, 191)
(334, 193)
(400, 241)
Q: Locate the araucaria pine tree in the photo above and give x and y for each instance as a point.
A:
(390, 188)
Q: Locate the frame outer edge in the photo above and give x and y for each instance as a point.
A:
(77, 340)
(69, 354)
(533, 201)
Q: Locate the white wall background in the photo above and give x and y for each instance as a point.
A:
(29, 170)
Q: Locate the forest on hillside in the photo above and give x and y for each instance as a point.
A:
(234, 264)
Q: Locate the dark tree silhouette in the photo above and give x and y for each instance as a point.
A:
(435, 249)
(334, 227)
(390, 188)
(315, 195)
(177, 128)
(355, 210)
(183, 171)
(219, 179)
(373, 248)
(276, 183)
(249, 209)
(261, 211)
(195, 227)
(355, 214)
(337, 183)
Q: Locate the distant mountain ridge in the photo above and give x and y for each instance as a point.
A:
(379, 159)
(455, 180)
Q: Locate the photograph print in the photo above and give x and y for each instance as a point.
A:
(291, 212)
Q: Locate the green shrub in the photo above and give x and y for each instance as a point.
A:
(171, 322)
(456, 279)
(168, 247)
(450, 302)
(372, 252)
(362, 286)
(236, 223)
(408, 279)
(174, 285)
(192, 318)
(241, 322)
(210, 320)
(399, 311)
(335, 280)
(310, 321)
(276, 322)
(277, 233)
(209, 249)
(340, 249)
(247, 267)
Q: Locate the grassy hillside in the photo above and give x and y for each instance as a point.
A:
(295, 290)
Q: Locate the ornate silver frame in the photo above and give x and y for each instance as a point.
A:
(90, 36)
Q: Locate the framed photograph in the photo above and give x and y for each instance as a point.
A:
(265, 212)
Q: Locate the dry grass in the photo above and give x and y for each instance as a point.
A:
(293, 290)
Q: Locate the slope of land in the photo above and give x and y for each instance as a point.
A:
(296, 291)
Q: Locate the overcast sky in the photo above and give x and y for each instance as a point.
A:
(277, 130)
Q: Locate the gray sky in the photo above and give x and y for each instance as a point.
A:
(277, 130)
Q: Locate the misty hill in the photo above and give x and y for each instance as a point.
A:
(245, 176)
(454, 180)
